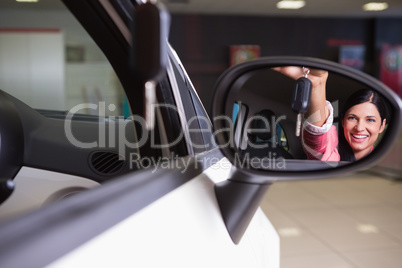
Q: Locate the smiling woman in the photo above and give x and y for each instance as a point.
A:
(363, 118)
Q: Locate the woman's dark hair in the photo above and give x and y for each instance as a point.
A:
(360, 96)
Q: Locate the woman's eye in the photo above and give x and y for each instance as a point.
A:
(351, 118)
(371, 120)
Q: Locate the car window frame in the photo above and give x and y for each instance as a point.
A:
(200, 137)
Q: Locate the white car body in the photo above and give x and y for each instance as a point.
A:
(182, 229)
(43, 187)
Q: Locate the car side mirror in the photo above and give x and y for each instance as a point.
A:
(254, 127)
(255, 123)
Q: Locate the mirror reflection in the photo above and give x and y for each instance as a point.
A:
(342, 122)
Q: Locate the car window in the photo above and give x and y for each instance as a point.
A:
(283, 141)
(48, 61)
(204, 121)
(259, 132)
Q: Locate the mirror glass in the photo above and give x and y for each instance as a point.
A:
(344, 123)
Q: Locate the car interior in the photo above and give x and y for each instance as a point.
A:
(257, 95)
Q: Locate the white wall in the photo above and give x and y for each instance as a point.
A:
(32, 67)
(93, 73)
(93, 82)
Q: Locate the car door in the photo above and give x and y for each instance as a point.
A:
(163, 210)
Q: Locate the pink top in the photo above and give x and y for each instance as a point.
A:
(320, 143)
(323, 146)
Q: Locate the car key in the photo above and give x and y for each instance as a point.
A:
(301, 98)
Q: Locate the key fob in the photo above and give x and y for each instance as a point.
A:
(301, 95)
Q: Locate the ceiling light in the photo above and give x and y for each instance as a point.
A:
(31, 1)
(367, 229)
(375, 6)
(289, 232)
(289, 4)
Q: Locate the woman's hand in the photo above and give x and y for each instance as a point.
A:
(318, 112)
(317, 77)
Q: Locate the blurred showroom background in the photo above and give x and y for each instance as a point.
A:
(207, 33)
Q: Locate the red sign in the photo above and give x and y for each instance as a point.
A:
(391, 67)
(239, 54)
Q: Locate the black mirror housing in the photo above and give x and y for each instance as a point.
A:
(231, 87)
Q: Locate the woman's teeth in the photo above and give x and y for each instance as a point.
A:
(360, 136)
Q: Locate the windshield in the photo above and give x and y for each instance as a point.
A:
(48, 61)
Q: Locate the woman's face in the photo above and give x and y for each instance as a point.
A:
(362, 124)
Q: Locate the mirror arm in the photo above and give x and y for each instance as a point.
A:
(238, 201)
